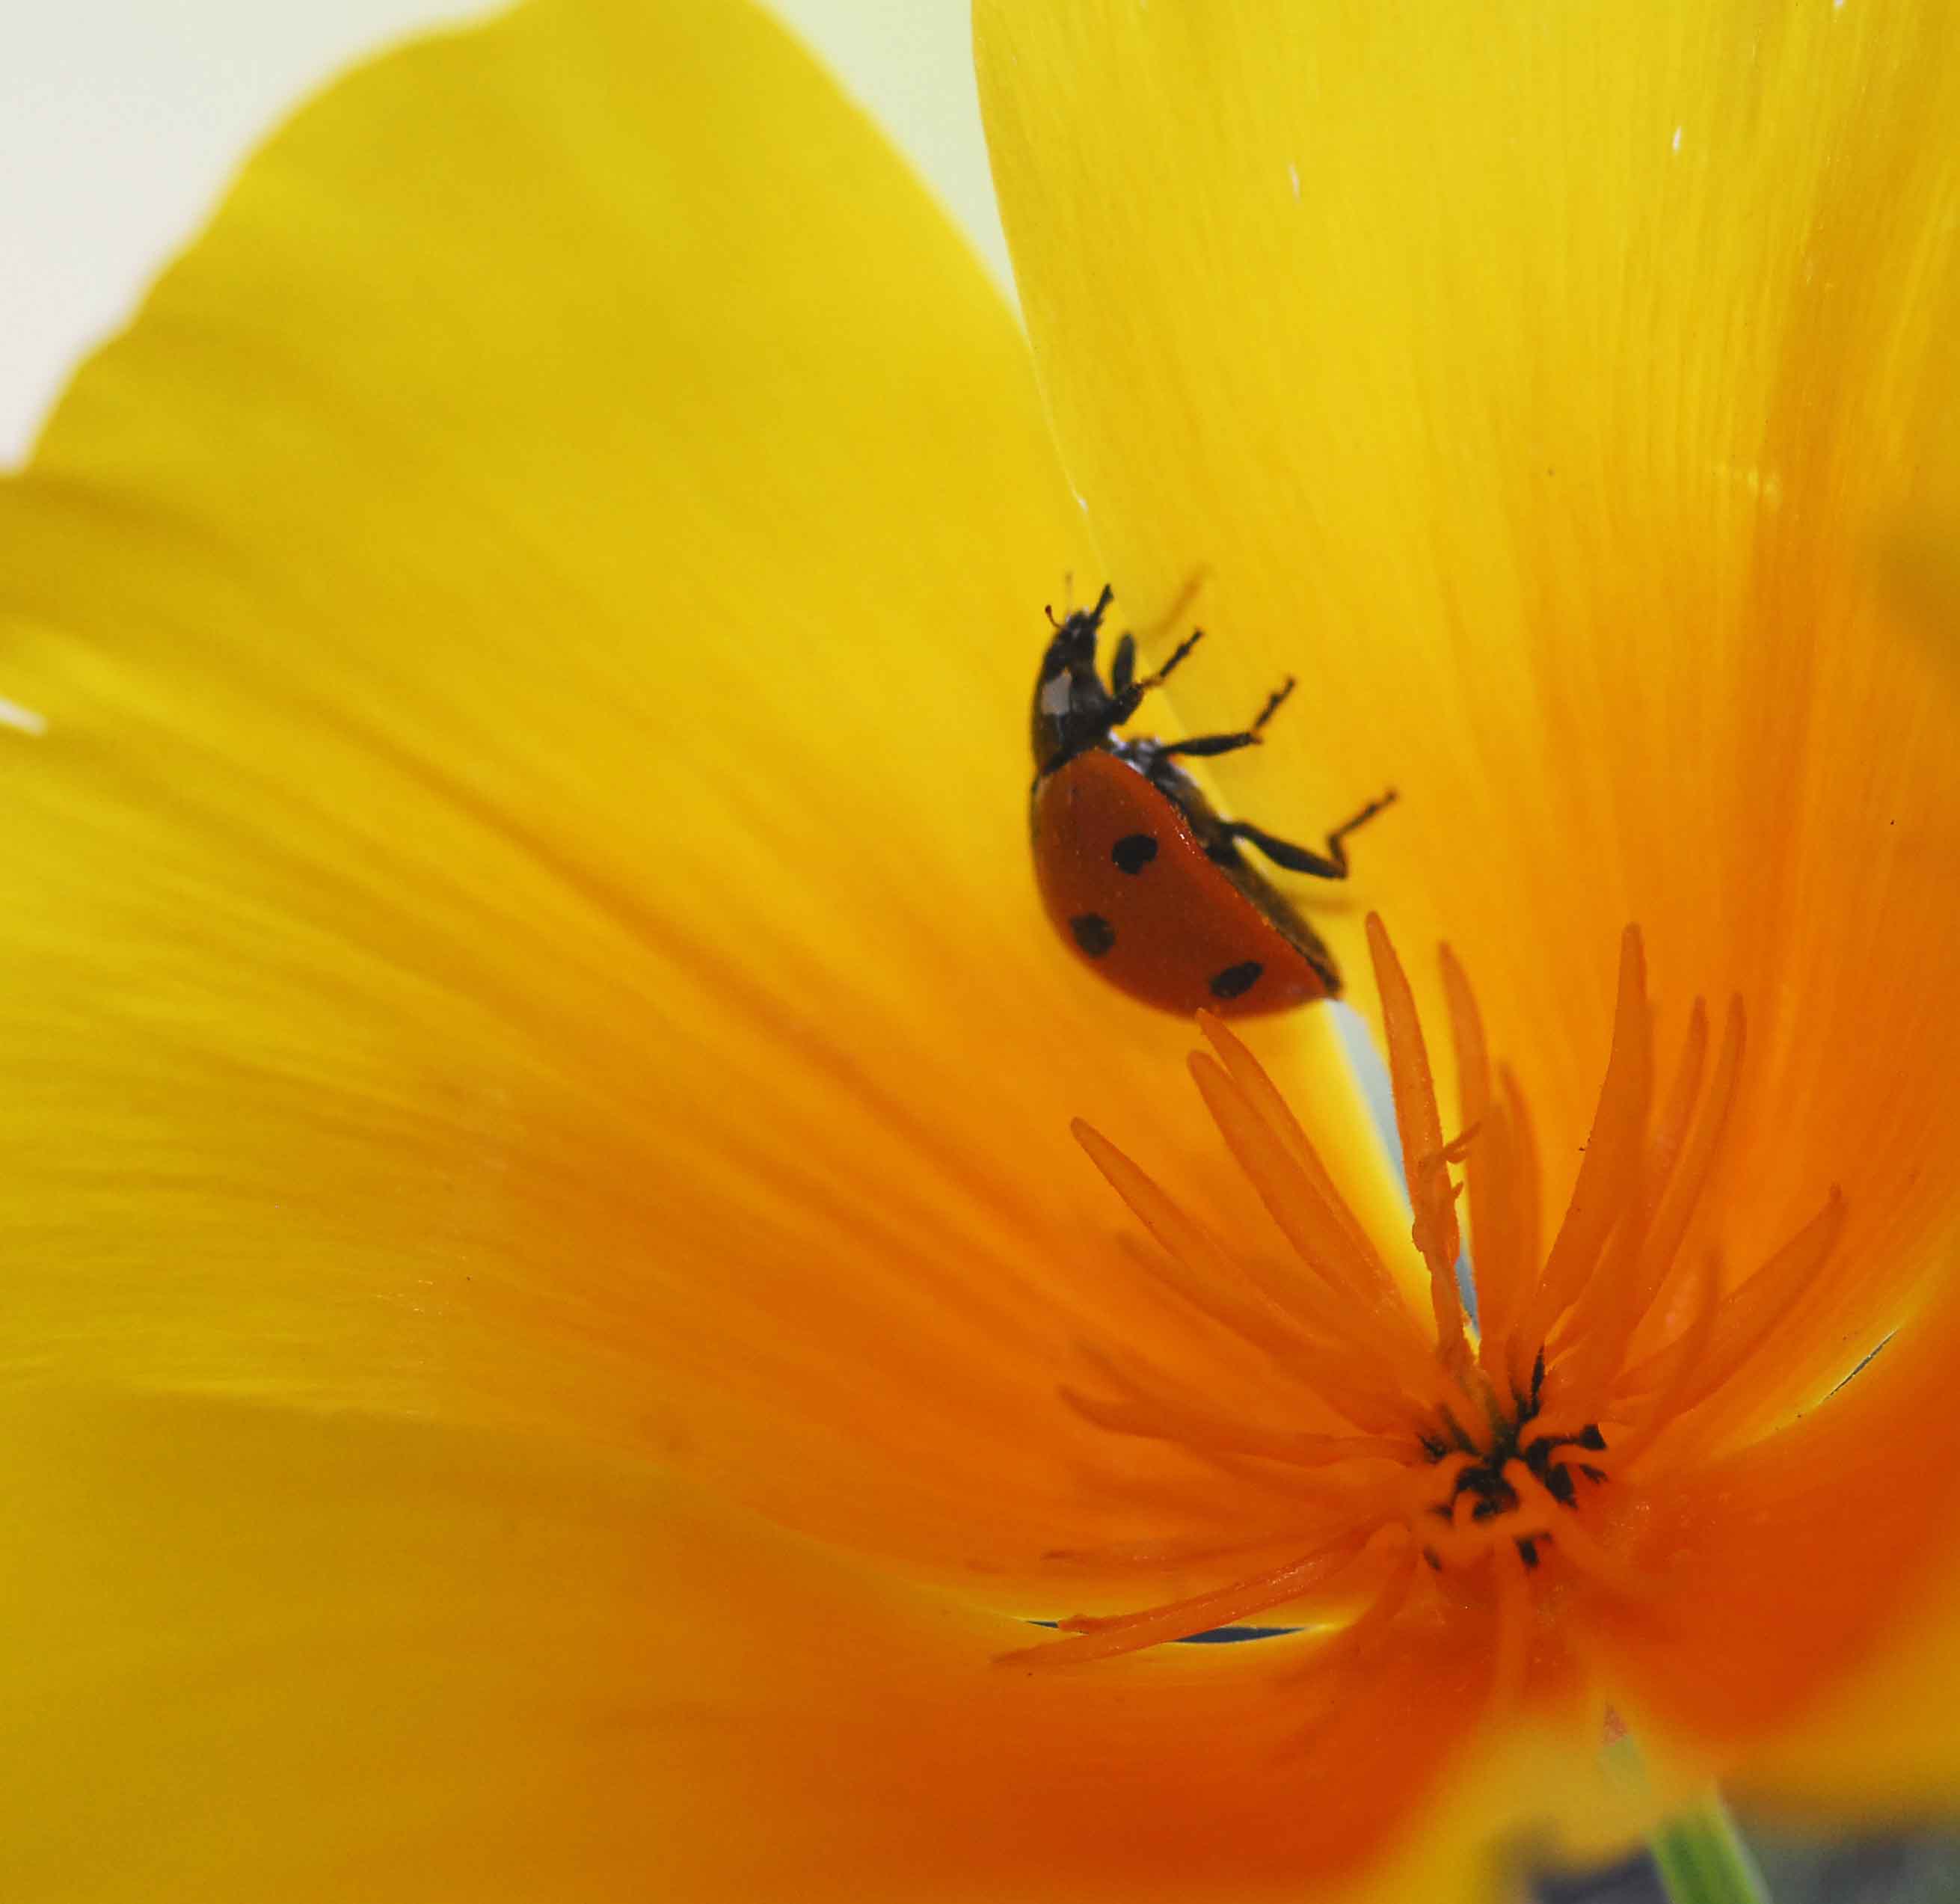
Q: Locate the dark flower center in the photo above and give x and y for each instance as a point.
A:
(1482, 1479)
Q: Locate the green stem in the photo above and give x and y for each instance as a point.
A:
(1704, 1860)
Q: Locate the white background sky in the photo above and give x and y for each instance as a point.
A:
(121, 120)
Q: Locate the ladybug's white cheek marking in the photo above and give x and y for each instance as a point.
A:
(1054, 695)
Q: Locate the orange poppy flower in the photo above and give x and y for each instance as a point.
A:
(559, 1327)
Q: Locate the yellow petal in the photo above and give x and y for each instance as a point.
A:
(521, 910)
(256, 1655)
(1550, 389)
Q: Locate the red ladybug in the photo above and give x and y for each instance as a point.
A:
(1139, 875)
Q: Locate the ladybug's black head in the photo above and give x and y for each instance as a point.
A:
(1073, 710)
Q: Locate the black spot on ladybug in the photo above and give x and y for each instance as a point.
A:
(1134, 851)
(1236, 980)
(1095, 934)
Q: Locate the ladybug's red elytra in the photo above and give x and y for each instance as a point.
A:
(1143, 878)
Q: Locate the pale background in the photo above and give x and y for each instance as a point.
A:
(121, 120)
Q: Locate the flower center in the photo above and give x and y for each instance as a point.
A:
(1483, 1489)
(1368, 1437)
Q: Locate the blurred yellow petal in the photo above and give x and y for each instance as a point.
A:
(1550, 389)
(521, 908)
(257, 1654)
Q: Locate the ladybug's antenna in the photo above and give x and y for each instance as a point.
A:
(1093, 615)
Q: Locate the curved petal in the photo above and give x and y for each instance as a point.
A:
(261, 1654)
(1548, 388)
(1799, 1627)
(520, 910)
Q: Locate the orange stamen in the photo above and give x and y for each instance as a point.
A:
(1747, 1317)
(1180, 1418)
(1613, 1151)
(1482, 1463)
(1162, 1555)
(1190, 1263)
(1664, 1147)
(1677, 1210)
(1164, 1421)
(1642, 1258)
(1527, 1200)
(1498, 1228)
(1568, 1537)
(1417, 1119)
(1628, 1448)
(1319, 1229)
(1328, 1672)
(1371, 1318)
(1101, 1638)
(1265, 1099)
(1307, 1349)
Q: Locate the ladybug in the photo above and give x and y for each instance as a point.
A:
(1141, 877)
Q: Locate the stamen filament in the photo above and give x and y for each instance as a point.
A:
(1160, 1421)
(1683, 1195)
(1158, 1555)
(1270, 1106)
(1151, 1391)
(1419, 1126)
(1625, 1294)
(1630, 1446)
(1497, 1225)
(1326, 1675)
(1527, 1202)
(1568, 1537)
(1664, 1147)
(1377, 1325)
(1612, 1151)
(1329, 1365)
(1748, 1316)
(1102, 1638)
(1190, 1263)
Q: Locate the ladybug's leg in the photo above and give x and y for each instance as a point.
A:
(1164, 673)
(1127, 695)
(1123, 666)
(1275, 702)
(1332, 864)
(1206, 744)
(1123, 662)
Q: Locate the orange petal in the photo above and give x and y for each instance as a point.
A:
(257, 1654)
(1786, 1579)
